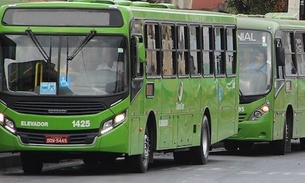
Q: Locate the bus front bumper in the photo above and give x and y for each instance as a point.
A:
(260, 131)
(112, 141)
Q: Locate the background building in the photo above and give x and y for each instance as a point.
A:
(213, 5)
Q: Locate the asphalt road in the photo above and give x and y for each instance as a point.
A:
(223, 167)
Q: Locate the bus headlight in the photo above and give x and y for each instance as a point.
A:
(259, 112)
(7, 123)
(112, 123)
(106, 127)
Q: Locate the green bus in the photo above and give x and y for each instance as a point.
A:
(171, 85)
(3, 2)
(272, 102)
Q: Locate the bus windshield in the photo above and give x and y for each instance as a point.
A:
(63, 65)
(255, 61)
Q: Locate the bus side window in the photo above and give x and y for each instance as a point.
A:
(207, 54)
(290, 66)
(230, 51)
(219, 51)
(195, 64)
(182, 52)
(152, 49)
(300, 54)
(169, 65)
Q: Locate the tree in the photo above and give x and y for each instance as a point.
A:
(255, 6)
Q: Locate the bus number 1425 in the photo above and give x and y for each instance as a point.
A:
(81, 123)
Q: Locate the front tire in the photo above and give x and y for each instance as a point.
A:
(302, 143)
(90, 161)
(139, 163)
(200, 153)
(31, 163)
(246, 146)
(230, 145)
(280, 147)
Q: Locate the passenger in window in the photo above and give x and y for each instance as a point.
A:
(192, 66)
(103, 72)
(109, 61)
(260, 63)
(293, 68)
(245, 58)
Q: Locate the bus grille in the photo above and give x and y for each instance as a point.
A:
(242, 117)
(74, 138)
(58, 107)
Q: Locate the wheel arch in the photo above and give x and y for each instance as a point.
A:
(290, 118)
(152, 127)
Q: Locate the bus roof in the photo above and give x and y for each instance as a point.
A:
(256, 23)
(161, 12)
(290, 24)
(272, 21)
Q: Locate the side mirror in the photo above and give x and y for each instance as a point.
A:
(280, 56)
(141, 52)
(140, 49)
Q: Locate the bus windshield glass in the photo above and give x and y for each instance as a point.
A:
(255, 61)
(63, 65)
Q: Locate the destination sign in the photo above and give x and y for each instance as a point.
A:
(251, 36)
(62, 17)
(246, 36)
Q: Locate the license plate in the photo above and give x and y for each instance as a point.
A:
(57, 139)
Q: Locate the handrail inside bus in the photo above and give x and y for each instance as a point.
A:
(38, 73)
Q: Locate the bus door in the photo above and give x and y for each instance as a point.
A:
(286, 82)
(137, 94)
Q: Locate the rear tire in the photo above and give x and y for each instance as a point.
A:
(139, 163)
(200, 154)
(31, 163)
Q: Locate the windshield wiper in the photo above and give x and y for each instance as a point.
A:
(77, 49)
(241, 95)
(81, 45)
(37, 44)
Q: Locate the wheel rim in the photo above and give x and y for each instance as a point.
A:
(287, 132)
(145, 156)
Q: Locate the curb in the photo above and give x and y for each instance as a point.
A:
(8, 160)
